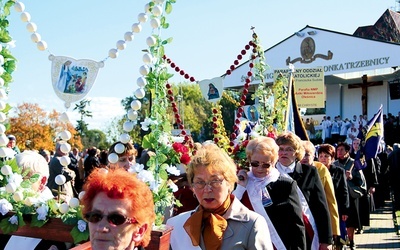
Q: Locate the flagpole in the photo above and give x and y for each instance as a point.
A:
(289, 96)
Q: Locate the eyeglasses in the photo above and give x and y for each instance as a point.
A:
(115, 219)
(289, 150)
(212, 184)
(256, 164)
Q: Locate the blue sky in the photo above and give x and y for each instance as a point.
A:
(207, 36)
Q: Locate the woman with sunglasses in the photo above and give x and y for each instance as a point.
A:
(126, 158)
(119, 209)
(273, 196)
(221, 221)
(311, 193)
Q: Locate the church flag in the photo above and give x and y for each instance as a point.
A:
(295, 124)
(372, 135)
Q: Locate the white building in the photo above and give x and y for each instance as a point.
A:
(345, 59)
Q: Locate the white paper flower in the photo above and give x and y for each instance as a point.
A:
(173, 170)
(29, 201)
(145, 176)
(42, 212)
(11, 188)
(5, 206)
(165, 139)
(18, 196)
(136, 168)
(82, 225)
(154, 186)
(172, 185)
(16, 179)
(145, 124)
(13, 220)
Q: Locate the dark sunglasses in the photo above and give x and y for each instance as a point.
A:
(113, 218)
(256, 164)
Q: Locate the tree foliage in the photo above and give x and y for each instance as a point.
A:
(96, 138)
(195, 110)
(36, 129)
(81, 107)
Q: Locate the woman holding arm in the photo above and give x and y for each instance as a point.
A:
(282, 210)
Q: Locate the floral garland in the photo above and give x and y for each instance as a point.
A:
(168, 156)
(272, 101)
(18, 199)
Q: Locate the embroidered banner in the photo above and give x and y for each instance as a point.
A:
(72, 79)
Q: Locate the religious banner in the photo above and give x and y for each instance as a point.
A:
(251, 112)
(309, 87)
(212, 89)
(72, 79)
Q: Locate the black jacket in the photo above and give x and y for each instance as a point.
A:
(307, 179)
(340, 185)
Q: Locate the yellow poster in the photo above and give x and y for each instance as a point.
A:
(309, 86)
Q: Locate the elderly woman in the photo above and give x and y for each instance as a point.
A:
(125, 159)
(221, 221)
(119, 209)
(326, 155)
(327, 184)
(310, 191)
(273, 196)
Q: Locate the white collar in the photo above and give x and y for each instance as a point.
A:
(283, 169)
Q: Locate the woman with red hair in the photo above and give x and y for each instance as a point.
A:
(119, 209)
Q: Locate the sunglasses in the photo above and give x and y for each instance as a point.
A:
(256, 164)
(115, 219)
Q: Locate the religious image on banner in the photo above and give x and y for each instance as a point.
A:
(252, 113)
(72, 79)
(212, 89)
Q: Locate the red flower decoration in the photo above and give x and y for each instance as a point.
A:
(185, 159)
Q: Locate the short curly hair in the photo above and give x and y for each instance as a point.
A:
(118, 184)
(294, 141)
(215, 160)
(264, 145)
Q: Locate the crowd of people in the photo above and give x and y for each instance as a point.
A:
(345, 130)
(291, 195)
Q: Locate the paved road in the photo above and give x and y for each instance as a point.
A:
(381, 234)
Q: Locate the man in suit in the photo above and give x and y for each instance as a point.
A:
(311, 192)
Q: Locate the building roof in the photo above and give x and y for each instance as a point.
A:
(386, 28)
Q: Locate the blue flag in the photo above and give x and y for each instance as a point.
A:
(372, 134)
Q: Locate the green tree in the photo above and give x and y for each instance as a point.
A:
(81, 107)
(97, 138)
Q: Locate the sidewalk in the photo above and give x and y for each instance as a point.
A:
(382, 233)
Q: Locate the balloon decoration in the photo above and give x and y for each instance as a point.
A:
(72, 79)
